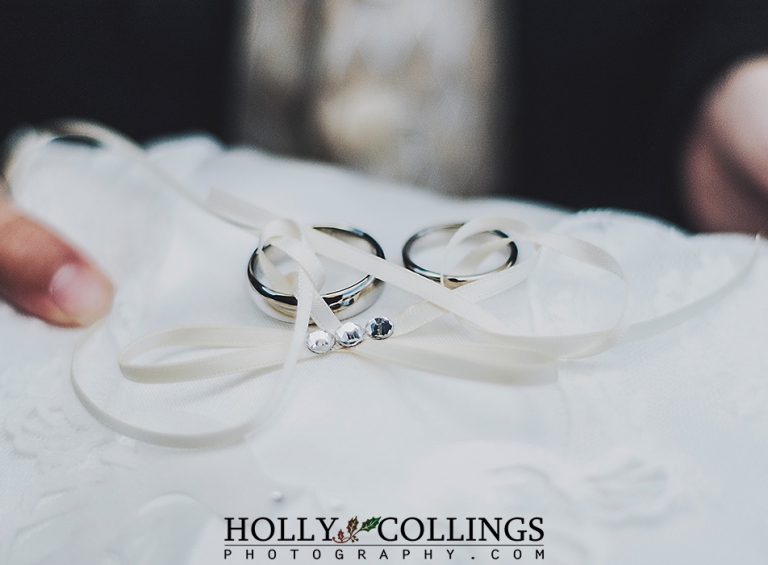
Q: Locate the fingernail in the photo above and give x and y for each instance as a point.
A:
(80, 292)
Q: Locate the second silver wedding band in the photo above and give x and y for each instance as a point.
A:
(443, 232)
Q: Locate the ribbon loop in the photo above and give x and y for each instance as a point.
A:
(497, 352)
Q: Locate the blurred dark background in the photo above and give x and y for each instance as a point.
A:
(600, 93)
(145, 67)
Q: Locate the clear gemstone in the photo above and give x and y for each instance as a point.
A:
(379, 328)
(349, 334)
(320, 341)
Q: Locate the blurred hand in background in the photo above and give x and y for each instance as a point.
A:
(725, 164)
(43, 276)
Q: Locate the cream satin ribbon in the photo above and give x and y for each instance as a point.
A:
(497, 354)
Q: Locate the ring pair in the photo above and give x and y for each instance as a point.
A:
(355, 298)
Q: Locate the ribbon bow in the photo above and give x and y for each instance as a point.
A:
(496, 353)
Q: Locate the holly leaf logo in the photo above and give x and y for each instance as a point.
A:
(352, 526)
(369, 524)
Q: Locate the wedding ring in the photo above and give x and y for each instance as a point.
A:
(450, 281)
(345, 303)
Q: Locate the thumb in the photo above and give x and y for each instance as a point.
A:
(44, 277)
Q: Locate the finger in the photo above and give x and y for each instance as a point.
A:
(720, 196)
(45, 277)
(737, 115)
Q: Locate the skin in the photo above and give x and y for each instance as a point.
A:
(725, 162)
(724, 178)
(43, 276)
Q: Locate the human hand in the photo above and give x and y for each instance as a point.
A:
(43, 276)
(725, 164)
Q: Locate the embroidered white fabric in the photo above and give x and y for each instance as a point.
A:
(651, 452)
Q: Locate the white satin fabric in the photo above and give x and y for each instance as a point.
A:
(648, 451)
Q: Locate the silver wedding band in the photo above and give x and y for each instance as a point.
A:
(345, 303)
(450, 281)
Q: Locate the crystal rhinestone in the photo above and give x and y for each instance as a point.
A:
(379, 328)
(349, 334)
(320, 341)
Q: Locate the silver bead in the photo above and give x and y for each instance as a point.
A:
(349, 334)
(320, 341)
(380, 328)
